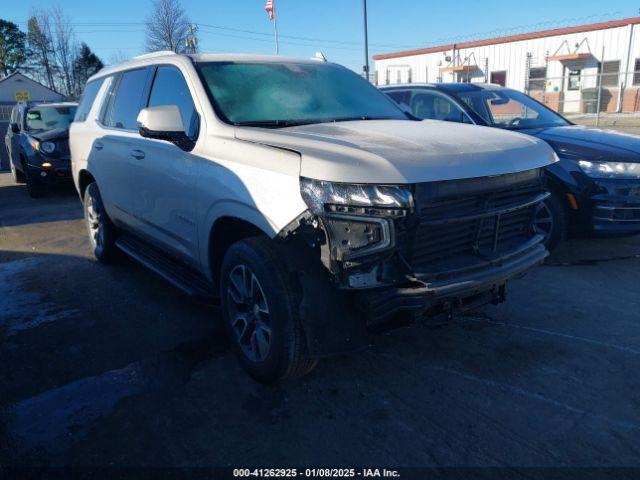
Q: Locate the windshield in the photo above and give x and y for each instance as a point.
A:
(510, 109)
(284, 94)
(50, 118)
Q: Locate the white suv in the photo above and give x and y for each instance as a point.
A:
(303, 199)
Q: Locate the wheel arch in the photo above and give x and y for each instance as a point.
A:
(225, 231)
(85, 178)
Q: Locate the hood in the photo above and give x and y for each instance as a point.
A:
(403, 151)
(578, 142)
(57, 134)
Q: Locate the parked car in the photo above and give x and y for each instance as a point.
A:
(596, 184)
(37, 142)
(302, 197)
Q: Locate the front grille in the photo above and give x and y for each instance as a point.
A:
(468, 221)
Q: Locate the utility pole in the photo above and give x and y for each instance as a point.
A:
(366, 41)
(192, 41)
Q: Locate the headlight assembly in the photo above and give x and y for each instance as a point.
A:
(622, 170)
(356, 199)
(47, 147)
(357, 217)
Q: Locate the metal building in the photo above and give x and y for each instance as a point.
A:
(582, 69)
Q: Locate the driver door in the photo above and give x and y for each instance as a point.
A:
(163, 193)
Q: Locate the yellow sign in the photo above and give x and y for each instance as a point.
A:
(22, 97)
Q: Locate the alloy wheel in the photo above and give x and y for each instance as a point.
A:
(249, 314)
(96, 231)
(543, 220)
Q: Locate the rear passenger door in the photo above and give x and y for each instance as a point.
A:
(112, 155)
(163, 179)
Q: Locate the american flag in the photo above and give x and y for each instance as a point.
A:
(269, 9)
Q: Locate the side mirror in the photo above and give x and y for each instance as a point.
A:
(14, 127)
(164, 123)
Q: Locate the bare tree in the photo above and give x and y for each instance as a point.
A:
(40, 43)
(64, 47)
(118, 57)
(167, 27)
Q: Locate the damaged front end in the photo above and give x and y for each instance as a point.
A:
(424, 249)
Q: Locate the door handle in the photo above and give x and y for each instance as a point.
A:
(137, 154)
(98, 145)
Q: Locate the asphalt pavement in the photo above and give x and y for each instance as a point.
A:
(111, 366)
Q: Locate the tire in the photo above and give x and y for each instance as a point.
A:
(555, 229)
(259, 298)
(34, 188)
(102, 233)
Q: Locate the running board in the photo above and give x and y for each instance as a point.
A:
(179, 275)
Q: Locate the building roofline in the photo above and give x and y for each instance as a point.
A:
(17, 72)
(512, 38)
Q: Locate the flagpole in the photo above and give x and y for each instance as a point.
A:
(275, 27)
(366, 41)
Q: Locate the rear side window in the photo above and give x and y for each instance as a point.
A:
(124, 107)
(170, 88)
(88, 97)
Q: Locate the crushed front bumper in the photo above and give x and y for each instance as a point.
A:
(463, 290)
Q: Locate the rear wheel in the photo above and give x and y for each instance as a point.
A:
(261, 312)
(550, 221)
(102, 233)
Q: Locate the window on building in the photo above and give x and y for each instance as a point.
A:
(499, 78)
(610, 73)
(398, 76)
(636, 72)
(573, 82)
(387, 77)
(426, 74)
(409, 79)
(537, 78)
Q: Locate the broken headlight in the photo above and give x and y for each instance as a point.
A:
(358, 217)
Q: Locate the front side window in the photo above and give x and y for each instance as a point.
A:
(283, 94)
(125, 105)
(436, 106)
(170, 88)
(88, 97)
(44, 118)
(510, 109)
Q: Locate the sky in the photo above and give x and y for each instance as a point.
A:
(115, 28)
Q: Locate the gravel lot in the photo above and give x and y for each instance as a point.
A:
(112, 366)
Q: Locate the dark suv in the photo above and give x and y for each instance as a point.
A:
(37, 143)
(595, 185)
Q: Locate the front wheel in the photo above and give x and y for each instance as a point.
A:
(260, 306)
(550, 221)
(102, 233)
(18, 176)
(35, 188)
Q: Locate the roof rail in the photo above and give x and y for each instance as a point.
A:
(160, 53)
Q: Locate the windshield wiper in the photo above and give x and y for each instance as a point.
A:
(274, 123)
(362, 117)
